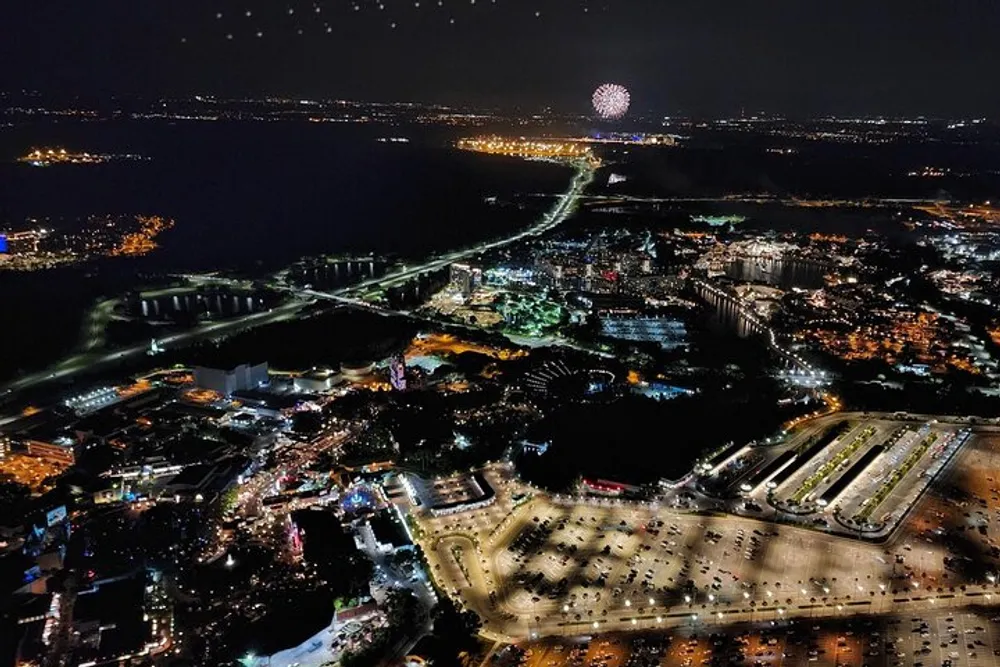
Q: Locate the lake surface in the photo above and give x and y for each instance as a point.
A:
(783, 273)
(252, 196)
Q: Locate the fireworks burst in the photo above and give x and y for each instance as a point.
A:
(611, 101)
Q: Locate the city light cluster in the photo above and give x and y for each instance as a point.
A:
(528, 148)
(46, 157)
(72, 241)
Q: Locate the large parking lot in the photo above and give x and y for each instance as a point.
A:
(955, 639)
(856, 473)
(532, 563)
(584, 563)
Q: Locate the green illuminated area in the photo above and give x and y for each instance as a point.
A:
(887, 487)
(718, 220)
(827, 469)
(529, 314)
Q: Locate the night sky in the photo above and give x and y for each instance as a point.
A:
(711, 57)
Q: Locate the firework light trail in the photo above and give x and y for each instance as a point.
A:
(611, 101)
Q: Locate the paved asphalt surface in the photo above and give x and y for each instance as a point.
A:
(567, 566)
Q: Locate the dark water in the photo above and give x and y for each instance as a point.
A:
(712, 165)
(333, 273)
(248, 196)
(726, 318)
(268, 193)
(191, 305)
(783, 273)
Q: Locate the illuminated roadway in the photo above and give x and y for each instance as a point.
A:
(564, 207)
(79, 363)
(755, 199)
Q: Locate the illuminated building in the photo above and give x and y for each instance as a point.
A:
(465, 278)
(294, 538)
(357, 613)
(51, 452)
(315, 381)
(226, 382)
(387, 532)
(397, 372)
(603, 487)
(24, 241)
(355, 371)
(488, 498)
(627, 139)
(535, 447)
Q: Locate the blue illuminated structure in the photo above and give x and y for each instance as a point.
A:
(359, 499)
(397, 372)
(3, 244)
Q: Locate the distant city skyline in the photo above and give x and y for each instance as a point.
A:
(113, 102)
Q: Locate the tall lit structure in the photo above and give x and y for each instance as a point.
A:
(225, 382)
(397, 372)
(465, 278)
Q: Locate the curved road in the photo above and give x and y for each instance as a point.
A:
(80, 363)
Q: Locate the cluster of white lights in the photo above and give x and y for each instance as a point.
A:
(310, 16)
(611, 101)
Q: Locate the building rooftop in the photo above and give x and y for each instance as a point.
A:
(387, 529)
